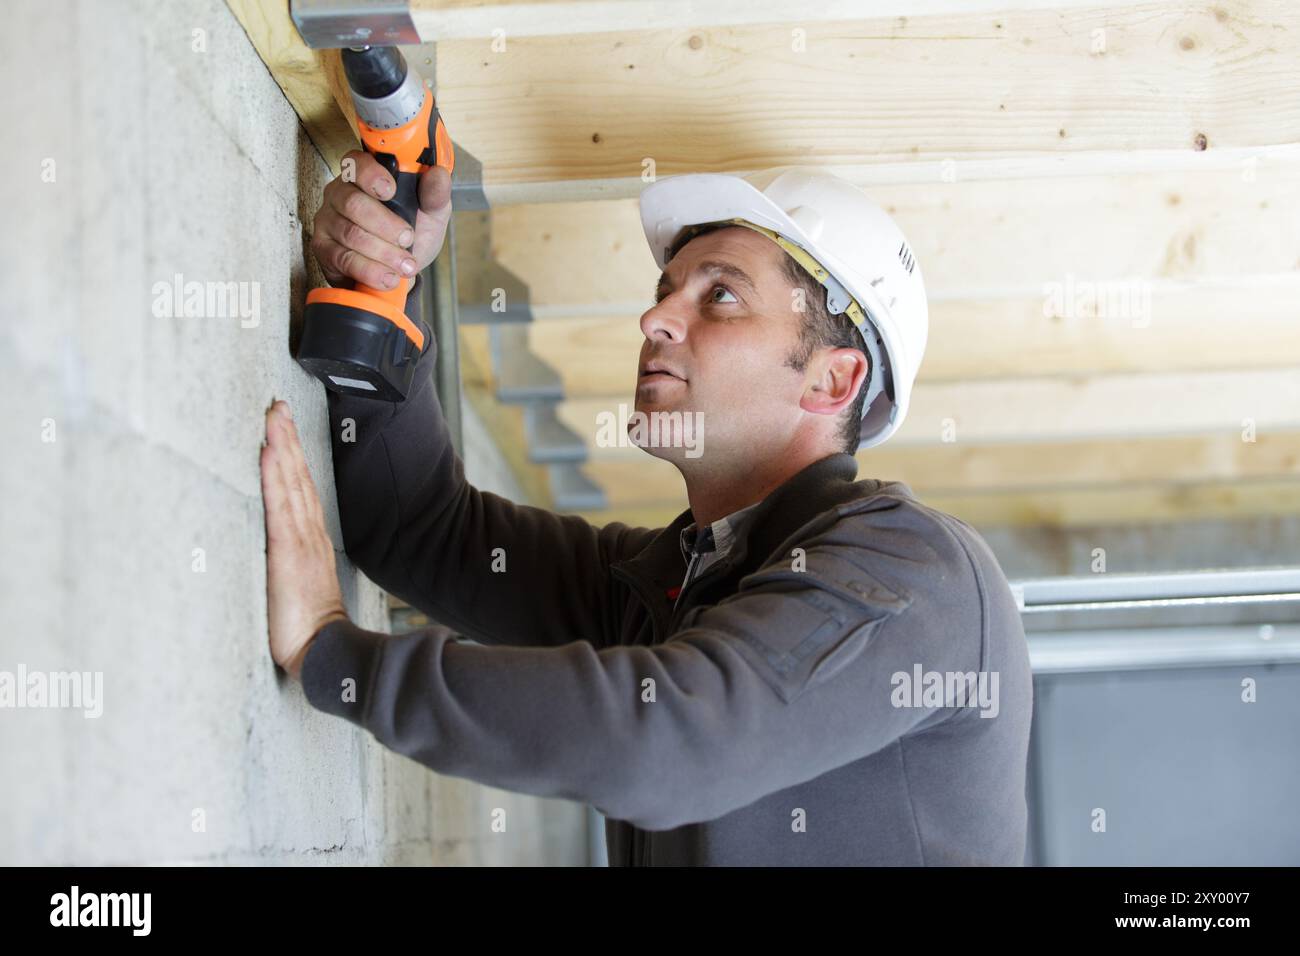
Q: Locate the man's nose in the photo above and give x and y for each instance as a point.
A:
(665, 320)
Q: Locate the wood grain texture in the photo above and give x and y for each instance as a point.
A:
(1066, 508)
(973, 240)
(1053, 409)
(1061, 90)
(312, 80)
(1195, 329)
(459, 19)
(1030, 468)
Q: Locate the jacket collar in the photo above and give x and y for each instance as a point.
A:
(821, 485)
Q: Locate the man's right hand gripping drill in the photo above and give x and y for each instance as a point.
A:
(358, 239)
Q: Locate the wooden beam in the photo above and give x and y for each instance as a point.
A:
(1040, 92)
(1095, 275)
(1052, 409)
(973, 240)
(312, 80)
(1126, 504)
(463, 19)
(956, 470)
(1209, 329)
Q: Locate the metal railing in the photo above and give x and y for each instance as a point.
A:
(1132, 648)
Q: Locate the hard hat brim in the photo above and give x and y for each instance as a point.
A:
(672, 204)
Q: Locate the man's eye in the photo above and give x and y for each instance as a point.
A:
(722, 288)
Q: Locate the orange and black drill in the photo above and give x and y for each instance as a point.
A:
(364, 341)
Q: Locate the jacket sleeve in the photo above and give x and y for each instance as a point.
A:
(494, 570)
(792, 676)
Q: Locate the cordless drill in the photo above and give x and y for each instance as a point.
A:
(364, 341)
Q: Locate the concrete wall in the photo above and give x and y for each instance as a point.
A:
(147, 140)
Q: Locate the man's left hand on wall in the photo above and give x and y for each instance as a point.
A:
(302, 588)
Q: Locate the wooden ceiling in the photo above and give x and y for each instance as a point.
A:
(1105, 201)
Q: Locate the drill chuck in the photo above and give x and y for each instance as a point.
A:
(385, 93)
(374, 71)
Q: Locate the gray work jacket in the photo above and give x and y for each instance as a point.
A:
(783, 712)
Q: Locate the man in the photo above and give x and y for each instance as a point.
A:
(802, 668)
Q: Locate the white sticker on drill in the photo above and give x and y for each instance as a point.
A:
(352, 382)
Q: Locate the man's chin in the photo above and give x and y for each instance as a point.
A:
(646, 406)
(672, 454)
(665, 430)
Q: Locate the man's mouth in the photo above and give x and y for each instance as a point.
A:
(656, 372)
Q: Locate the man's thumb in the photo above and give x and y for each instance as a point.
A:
(435, 189)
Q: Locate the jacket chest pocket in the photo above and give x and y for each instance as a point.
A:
(801, 628)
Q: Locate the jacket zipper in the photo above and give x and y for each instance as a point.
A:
(695, 558)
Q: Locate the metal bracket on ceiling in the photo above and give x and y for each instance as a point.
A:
(574, 491)
(507, 302)
(521, 376)
(467, 181)
(330, 24)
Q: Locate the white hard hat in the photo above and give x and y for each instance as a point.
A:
(857, 251)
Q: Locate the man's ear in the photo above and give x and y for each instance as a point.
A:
(834, 378)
